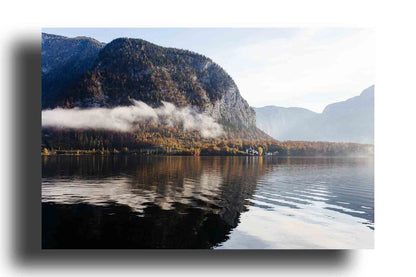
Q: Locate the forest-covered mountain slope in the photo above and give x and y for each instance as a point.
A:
(64, 60)
(82, 72)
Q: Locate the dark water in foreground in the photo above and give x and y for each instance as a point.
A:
(207, 202)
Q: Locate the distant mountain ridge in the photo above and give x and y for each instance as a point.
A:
(82, 72)
(347, 121)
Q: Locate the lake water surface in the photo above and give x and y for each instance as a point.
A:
(207, 202)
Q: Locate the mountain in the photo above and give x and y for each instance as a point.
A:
(279, 122)
(63, 62)
(347, 121)
(82, 72)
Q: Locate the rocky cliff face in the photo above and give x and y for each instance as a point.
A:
(126, 69)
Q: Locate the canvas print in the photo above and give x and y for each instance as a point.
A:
(207, 138)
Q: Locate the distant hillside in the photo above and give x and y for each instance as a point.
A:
(82, 72)
(279, 122)
(348, 121)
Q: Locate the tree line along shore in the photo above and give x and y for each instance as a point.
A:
(90, 142)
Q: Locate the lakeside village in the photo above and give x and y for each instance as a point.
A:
(250, 151)
(68, 142)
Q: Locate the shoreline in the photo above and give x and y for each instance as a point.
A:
(181, 155)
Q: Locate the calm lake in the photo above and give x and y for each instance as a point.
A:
(207, 202)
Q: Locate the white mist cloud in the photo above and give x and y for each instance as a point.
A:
(124, 118)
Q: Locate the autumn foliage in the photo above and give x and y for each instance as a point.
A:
(154, 140)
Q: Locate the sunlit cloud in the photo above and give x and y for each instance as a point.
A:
(125, 118)
(311, 69)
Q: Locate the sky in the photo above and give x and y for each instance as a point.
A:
(287, 67)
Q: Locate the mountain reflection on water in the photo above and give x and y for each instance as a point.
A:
(206, 202)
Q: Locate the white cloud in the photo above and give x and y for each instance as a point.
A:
(124, 118)
(311, 69)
